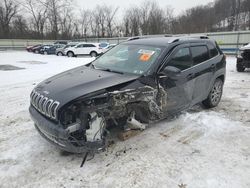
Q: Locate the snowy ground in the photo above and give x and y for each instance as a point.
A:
(200, 148)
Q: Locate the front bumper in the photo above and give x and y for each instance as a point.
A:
(58, 136)
(243, 62)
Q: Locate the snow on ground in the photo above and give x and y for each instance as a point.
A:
(200, 148)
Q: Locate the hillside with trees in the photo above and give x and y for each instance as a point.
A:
(60, 19)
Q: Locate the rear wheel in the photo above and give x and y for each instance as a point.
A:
(70, 54)
(215, 94)
(59, 54)
(240, 68)
(93, 54)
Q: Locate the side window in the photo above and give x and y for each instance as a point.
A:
(182, 59)
(91, 45)
(80, 46)
(87, 45)
(200, 54)
(212, 50)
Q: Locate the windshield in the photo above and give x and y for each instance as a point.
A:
(127, 58)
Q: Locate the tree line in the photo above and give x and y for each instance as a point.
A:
(60, 19)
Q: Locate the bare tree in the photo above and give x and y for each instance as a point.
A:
(20, 28)
(132, 21)
(101, 19)
(8, 9)
(38, 11)
(145, 13)
(66, 23)
(156, 19)
(85, 19)
(110, 15)
(55, 10)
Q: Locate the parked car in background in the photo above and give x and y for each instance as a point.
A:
(243, 58)
(103, 44)
(30, 48)
(110, 46)
(52, 49)
(61, 51)
(39, 48)
(91, 49)
(42, 48)
(61, 42)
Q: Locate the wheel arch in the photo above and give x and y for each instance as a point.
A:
(70, 51)
(93, 51)
(222, 77)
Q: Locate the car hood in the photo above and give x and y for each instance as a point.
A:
(247, 47)
(78, 82)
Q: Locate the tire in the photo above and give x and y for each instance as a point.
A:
(59, 54)
(36, 51)
(215, 94)
(240, 68)
(93, 54)
(70, 54)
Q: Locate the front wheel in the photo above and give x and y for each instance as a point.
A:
(59, 54)
(93, 54)
(70, 54)
(215, 94)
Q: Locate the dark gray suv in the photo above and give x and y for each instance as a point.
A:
(134, 84)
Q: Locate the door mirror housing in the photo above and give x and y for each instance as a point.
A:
(170, 70)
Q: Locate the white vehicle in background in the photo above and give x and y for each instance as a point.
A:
(110, 46)
(91, 49)
(61, 51)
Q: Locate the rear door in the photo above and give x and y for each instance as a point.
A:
(178, 87)
(203, 69)
(90, 48)
(79, 49)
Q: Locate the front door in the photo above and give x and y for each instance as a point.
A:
(178, 86)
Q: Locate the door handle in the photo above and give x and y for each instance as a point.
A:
(163, 76)
(190, 76)
(212, 66)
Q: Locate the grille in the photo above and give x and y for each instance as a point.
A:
(44, 105)
(246, 55)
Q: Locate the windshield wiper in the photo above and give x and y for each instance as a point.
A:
(107, 69)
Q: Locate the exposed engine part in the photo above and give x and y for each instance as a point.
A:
(74, 127)
(135, 124)
(96, 127)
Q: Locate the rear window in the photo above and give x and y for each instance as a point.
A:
(200, 54)
(212, 50)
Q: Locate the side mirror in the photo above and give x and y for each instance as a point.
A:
(170, 70)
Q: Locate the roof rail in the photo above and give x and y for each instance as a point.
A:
(133, 38)
(181, 37)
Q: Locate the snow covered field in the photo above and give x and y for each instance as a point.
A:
(200, 148)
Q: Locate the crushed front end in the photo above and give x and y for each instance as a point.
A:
(82, 125)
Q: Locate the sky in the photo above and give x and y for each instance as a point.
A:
(177, 5)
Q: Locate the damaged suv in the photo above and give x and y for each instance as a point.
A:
(243, 58)
(134, 84)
